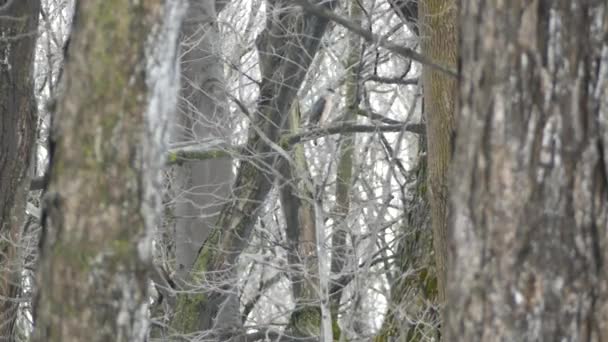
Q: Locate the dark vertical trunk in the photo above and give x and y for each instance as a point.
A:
(18, 116)
(529, 195)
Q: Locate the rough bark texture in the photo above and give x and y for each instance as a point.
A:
(18, 114)
(286, 47)
(529, 196)
(93, 277)
(437, 23)
(200, 187)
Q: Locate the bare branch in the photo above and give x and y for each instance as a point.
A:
(351, 128)
(179, 157)
(264, 285)
(6, 5)
(372, 38)
(381, 118)
(393, 80)
(276, 336)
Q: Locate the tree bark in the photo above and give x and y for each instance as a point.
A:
(437, 23)
(93, 275)
(529, 191)
(344, 171)
(201, 186)
(18, 117)
(300, 230)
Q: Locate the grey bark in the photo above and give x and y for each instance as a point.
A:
(529, 192)
(18, 117)
(96, 251)
(201, 187)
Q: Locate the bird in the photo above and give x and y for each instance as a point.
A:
(319, 112)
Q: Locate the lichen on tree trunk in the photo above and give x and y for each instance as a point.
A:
(438, 37)
(93, 273)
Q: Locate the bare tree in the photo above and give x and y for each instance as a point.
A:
(346, 154)
(331, 230)
(296, 208)
(200, 186)
(286, 48)
(18, 117)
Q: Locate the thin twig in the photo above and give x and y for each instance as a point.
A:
(372, 38)
(378, 117)
(393, 80)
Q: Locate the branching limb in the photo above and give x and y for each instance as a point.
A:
(179, 156)
(350, 128)
(264, 285)
(381, 118)
(372, 38)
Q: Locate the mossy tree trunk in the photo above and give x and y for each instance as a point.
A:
(438, 38)
(93, 274)
(529, 191)
(18, 116)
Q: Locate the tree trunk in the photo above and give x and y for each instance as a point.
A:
(437, 23)
(344, 171)
(309, 290)
(529, 196)
(201, 187)
(93, 275)
(18, 116)
(286, 51)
